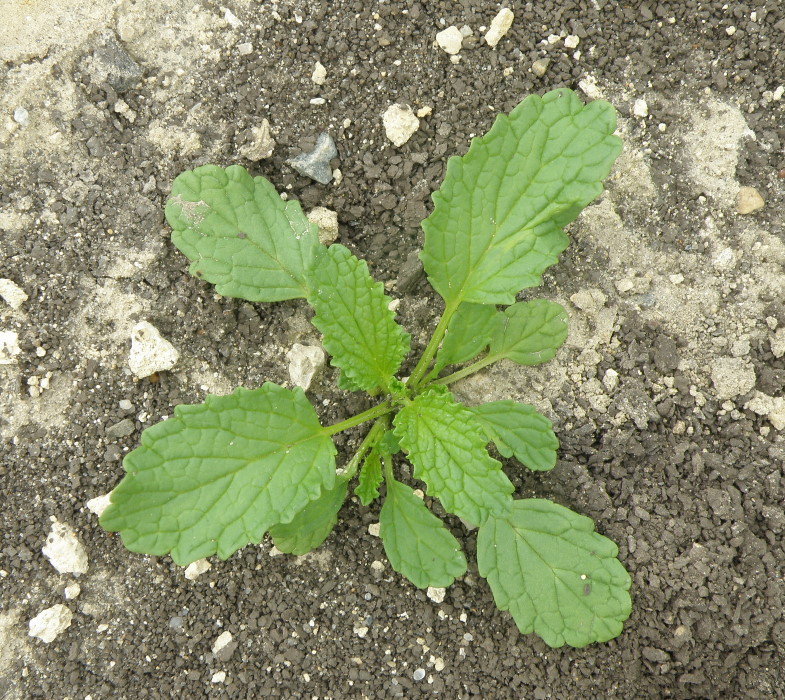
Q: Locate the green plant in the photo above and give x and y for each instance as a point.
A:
(221, 474)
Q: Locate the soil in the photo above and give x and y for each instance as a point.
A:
(668, 396)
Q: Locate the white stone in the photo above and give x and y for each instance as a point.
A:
(327, 222)
(572, 41)
(319, 74)
(540, 66)
(436, 594)
(21, 116)
(610, 379)
(196, 569)
(12, 293)
(245, 48)
(218, 677)
(9, 347)
(99, 504)
(748, 200)
(777, 342)
(773, 408)
(589, 87)
(72, 591)
(640, 108)
(50, 623)
(223, 640)
(400, 123)
(64, 550)
(499, 26)
(304, 363)
(450, 40)
(373, 529)
(262, 143)
(732, 377)
(150, 353)
(425, 111)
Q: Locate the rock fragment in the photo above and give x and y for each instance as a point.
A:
(262, 143)
(748, 200)
(640, 108)
(304, 362)
(540, 66)
(9, 347)
(327, 222)
(436, 594)
(110, 63)
(64, 550)
(316, 163)
(319, 74)
(499, 26)
(772, 407)
(50, 623)
(98, 504)
(400, 123)
(150, 352)
(450, 40)
(196, 569)
(732, 377)
(12, 293)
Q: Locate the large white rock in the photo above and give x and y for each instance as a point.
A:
(12, 293)
(400, 123)
(304, 362)
(64, 550)
(150, 353)
(499, 26)
(50, 623)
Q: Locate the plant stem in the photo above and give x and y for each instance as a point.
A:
(466, 371)
(375, 412)
(370, 439)
(433, 345)
(388, 468)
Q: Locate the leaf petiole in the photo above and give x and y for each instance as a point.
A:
(433, 345)
(482, 363)
(370, 439)
(375, 412)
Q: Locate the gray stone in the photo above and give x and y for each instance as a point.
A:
(316, 164)
(122, 429)
(111, 63)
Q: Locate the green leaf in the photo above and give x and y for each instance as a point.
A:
(311, 526)
(417, 543)
(370, 477)
(447, 449)
(389, 444)
(352, 313)
(240, 235)
(518, 429)
(468, 334)
(218, 475)
(498, 217)
(531, 332)
(556, 576)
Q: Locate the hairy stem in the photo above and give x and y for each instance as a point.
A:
(370, 439)
(433, 345)
(466, 371)
(375, 412)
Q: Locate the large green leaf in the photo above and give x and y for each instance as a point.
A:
(311, 526)
(417, 543)
(556, 576)
(518, 429)
(352, 313)
(468, 333)
(498, 217)
(447, 449)
(240, 235)
(531, 332)
(218, 475)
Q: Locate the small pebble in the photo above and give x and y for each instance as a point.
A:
(748, 200)
(326, 221)
(316, 163)
(450, 40)
(50, 623)
(499, 27)
(12, 293)
(98, 504)
(640, 108)
(150, 352)
(419, 674)
(245, 48)
(196, 569)
(21, 116)
(319, 74)
(262, 143)
(400, 123)
(64, 550)
(540, 66)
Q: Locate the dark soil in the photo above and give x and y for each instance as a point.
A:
(687, 481)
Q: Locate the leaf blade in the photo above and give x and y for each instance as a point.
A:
(531, 332)
(370, 478)
(240, 235)
(498, 217)
(558, 577)
(519, 429)
(448, 452)
(469, 332)
(312, 525)
(360, 331)
(416, 542)
(217, 475)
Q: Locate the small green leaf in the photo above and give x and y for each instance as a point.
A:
(370, 477)
(498, 217)
(556, 576)
(352, 313)
(389, 444)
(218, 475)
(240, 235)
(417, 543)
(468, 334)
(447, 449)
(311, 526)
(518, 429)
(531, 332)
